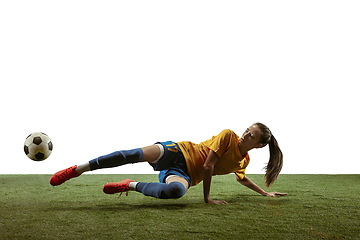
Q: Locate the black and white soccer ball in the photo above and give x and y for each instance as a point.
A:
(38, 146)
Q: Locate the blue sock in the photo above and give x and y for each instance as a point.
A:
(161, 190)
(117, 159)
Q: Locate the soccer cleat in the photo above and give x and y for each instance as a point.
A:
(62, 176)
(119, 187)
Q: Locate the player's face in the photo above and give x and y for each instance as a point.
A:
(251, 138)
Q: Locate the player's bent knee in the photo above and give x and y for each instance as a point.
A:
(173, 190)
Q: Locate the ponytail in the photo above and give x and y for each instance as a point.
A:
(275, 163)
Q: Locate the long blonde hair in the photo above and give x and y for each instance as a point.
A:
(275, 163)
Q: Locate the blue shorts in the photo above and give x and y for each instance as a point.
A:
(172, 163)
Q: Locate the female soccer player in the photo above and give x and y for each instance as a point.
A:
(186, 164)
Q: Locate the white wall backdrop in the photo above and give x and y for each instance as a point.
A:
(101, 76)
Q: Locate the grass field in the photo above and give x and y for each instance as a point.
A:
(317, 207)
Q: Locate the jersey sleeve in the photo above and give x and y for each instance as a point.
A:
(220, 143)
(240, 174)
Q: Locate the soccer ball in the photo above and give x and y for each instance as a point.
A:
(38, 146)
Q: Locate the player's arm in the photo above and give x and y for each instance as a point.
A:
(250, 184)
(208, 169)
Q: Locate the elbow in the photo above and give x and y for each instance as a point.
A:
(243, 181)
(207, 167)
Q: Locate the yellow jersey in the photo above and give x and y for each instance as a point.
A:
(225, 145)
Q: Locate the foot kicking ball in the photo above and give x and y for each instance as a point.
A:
(38, 146)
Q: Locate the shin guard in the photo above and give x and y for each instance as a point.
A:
(116, 159)
(161, 190)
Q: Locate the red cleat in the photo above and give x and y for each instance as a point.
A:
(62, 176)
(119, 187)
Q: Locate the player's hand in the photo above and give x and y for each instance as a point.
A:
(275, 194)
(217, 202)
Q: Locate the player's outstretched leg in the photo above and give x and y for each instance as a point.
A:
(153, 189)
(116, 159)
(161, 190)
(107, 161)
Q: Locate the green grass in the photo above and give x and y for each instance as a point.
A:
(317, 207)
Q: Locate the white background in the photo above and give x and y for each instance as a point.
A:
(101, 76)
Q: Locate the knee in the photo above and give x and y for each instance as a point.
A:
(173, 190)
